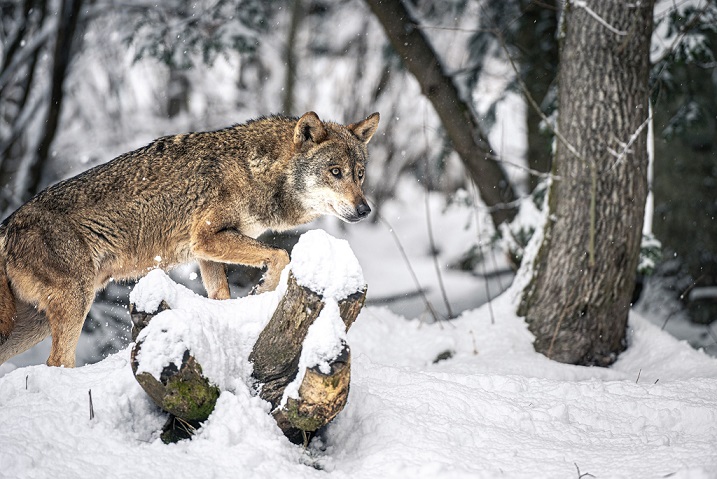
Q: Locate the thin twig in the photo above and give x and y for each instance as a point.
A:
(626, 149)
(434, 255)
(92, 409)
(185, 425)
(475, 347)
(429, 226)
(480, 249)
(669, 316)
(429, 307)
(580, 476)
(690, 287)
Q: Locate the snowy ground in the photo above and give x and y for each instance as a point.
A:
(495, 408)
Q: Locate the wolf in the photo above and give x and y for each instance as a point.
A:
(201, 197)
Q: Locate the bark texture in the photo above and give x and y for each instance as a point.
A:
(578, 301)
(455, 113)
(276, 362)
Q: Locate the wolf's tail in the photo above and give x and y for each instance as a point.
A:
(21, 325)
(7, 299)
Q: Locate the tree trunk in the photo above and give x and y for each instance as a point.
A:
(455, 113)
(18, 105)
(69, 18)
(578, 301)
(290, 58)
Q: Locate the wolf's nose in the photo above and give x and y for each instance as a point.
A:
(363, 209)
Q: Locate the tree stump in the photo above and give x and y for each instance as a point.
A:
(190, 397)
(182, 391)
(276, 362)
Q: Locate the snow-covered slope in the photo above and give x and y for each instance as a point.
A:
(494, 408)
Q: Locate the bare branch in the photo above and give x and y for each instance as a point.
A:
(35, 43)
(456, 114)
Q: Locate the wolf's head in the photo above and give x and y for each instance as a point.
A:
(331, 165)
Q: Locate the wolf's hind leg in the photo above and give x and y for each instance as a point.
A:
(66, 311)
(214, 277)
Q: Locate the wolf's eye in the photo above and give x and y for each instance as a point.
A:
(336, 172)
(359, 173)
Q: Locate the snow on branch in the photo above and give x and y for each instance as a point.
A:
(601, 21)
(619, 156)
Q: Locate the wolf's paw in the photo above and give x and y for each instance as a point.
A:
(258, 287)
(222, 293)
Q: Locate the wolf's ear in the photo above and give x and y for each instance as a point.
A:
(365, 129)
(309, 128)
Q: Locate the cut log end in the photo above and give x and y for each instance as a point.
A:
(321, 398)
(183, 392)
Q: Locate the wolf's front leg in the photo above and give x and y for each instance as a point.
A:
(214, 277)
(230, 246)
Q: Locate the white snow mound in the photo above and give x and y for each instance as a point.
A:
(326, 265)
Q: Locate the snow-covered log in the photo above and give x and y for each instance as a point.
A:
(183, 391)
(301, 361)
(306, 376)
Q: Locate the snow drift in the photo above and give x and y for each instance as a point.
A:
(492, 408)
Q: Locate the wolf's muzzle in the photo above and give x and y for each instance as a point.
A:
(362, 210)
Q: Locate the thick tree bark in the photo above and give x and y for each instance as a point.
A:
(456, 115)
(578, 301)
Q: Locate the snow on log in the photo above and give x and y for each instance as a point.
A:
(289, 343)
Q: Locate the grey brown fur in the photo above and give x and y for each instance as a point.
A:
(199, 196)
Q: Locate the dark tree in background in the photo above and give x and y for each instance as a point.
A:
(29, 37)
(455, 112)
(527, 31)
(578, 301)
(685, 118)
